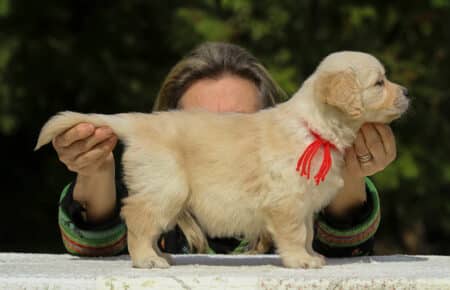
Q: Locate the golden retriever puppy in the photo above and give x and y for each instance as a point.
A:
(245, 175)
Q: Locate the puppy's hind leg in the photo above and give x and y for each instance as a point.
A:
(152, 211)
(142, 236)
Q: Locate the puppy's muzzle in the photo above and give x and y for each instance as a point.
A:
(402, 101)
(405, 91)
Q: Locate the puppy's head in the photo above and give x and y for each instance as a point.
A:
(355, 84)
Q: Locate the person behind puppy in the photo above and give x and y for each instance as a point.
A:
(218, 77)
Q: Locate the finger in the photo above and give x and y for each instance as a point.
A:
(360, 145)
(388, 140)
(76, 133)
(101, 134)
(96, 155)
(80, 147)
(373, 142)
(351, 161)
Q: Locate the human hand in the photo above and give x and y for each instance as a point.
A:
(374, 149)
(85, 149)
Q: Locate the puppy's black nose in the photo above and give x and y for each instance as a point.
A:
(405, 92)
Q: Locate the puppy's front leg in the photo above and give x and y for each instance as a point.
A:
(309, 221)
(288, 225)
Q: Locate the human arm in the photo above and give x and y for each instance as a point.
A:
(87, 151)
(89, 207)
(347, 226)
(375, 140)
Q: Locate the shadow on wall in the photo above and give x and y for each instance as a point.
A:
(261, 260)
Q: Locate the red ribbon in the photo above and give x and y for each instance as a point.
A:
(305, 160)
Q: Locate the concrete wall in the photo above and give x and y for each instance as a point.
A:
(38, 271)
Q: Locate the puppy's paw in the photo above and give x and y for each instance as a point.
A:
(151, 262)
(321, 260)
(306, 262)
(315, 254)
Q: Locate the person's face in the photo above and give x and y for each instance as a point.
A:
(228, 93)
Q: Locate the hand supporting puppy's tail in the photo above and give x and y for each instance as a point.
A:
(119, 123)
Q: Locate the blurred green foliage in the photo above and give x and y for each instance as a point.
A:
(111, 56)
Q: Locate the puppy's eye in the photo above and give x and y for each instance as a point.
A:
(379, 83)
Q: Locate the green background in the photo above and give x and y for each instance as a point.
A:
(111, 56)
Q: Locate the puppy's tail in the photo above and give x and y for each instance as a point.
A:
(119, 123)
(194, 235)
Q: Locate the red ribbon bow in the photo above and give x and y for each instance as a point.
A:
(305, 160)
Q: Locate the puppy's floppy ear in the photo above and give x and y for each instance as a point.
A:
(340, 89)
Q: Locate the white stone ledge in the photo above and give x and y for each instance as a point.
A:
(40, 271)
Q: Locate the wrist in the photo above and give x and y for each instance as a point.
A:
(97, 193)
(352, 195)
(90, 179)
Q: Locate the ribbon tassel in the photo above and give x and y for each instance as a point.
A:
(304, 162)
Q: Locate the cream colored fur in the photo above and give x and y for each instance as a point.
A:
(235, 173)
